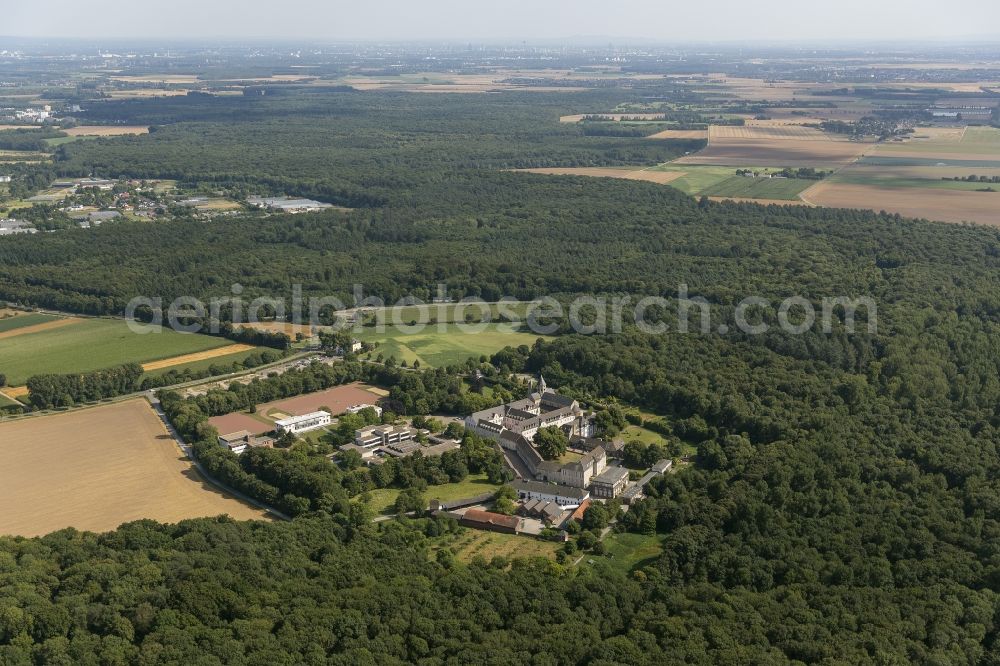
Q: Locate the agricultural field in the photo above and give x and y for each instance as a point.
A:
(94, 469)
(15, 319)
(469, 544)
(335, 400)
(434, 348)
(944, 205)
(784, 146)
(957, 147)
(680, 134)
(722, 182)
(196, 357)
(105, 130)
(225, 360)
(70, 344)
(637, 173)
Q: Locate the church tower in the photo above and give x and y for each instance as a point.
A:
(541, 385)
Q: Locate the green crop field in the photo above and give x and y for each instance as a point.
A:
(434, 348)
(198, 366)
(868, 178)
(7, 402)
(92, 344)
(23, 321)
(894, 161)
(722, 181)
(759, 188)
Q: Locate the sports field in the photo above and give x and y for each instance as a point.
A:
(434, 348)
(84, 345)
(94, 469)
(336, 400)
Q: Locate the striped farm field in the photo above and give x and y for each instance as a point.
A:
(93, 344)
(197, 356)
(26, 328)
(11, 320)
(679, 134)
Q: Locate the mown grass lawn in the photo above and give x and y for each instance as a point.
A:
(382, 500)
(628, 551)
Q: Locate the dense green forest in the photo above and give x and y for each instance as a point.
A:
(843, 504)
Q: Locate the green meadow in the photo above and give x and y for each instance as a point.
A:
(92, 344)
(436, 348)
(23, 321)
(722, 181)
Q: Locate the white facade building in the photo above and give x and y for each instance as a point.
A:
(304, 423)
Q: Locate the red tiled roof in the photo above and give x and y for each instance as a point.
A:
(490, 518)
(582, 509)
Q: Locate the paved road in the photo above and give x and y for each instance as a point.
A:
(201, 470)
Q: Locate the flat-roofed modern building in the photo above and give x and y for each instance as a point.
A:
(304, 423)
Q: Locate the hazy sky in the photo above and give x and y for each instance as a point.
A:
(505, 20)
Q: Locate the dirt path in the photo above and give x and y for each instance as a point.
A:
(198, 356)
(38, 328)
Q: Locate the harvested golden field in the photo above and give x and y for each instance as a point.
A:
(763, 202)
(949, 134)
(95, 469)
(106, 130)
(776, 132)
(38, 328)
(680, 134)
(16, 392)
(775, 146)
(930, 203)
(18, 127)
(198, 356)
(291, 330)
(661, 177)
